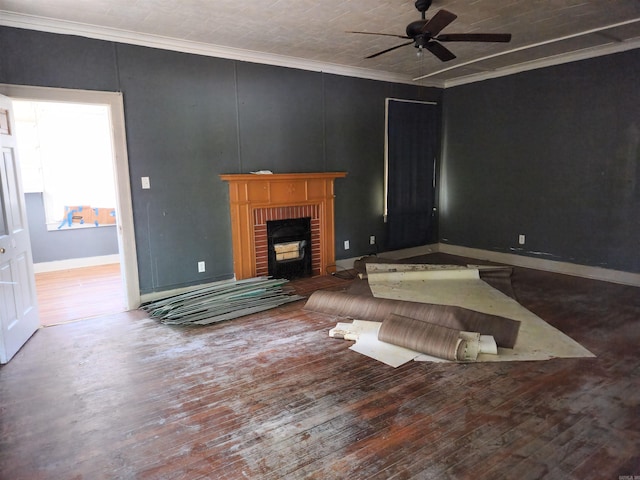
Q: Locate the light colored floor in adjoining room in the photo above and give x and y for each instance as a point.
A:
(78, 293)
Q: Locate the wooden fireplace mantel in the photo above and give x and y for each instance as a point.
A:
(249, 192)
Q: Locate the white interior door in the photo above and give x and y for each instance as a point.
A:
(18, 304)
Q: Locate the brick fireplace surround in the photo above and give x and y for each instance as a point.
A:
(256, 199)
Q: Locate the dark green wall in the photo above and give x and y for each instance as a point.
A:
(553, 154)
(190, 118)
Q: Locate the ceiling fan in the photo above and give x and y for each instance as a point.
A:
(425, 34)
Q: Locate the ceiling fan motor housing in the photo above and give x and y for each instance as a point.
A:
(414, 29)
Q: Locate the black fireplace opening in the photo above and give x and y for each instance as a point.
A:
(289, 248)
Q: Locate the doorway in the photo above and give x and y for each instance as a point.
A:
(67, 164)
(122, 262)
(412, 146)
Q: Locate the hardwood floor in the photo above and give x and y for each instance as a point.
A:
(79, 293)
(270, 396)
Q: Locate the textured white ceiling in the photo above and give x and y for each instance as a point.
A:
(312, 34)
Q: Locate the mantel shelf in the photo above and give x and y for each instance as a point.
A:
(254, 177)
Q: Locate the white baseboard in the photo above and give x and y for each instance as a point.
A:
(75, 263)
(566, 268)
(584, 271)
(410, 252)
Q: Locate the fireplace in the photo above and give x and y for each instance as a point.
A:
(256, 200)
(289, 248)
(262, 217)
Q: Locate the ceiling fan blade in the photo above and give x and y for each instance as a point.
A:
(389, 49)
(385, 34)
(440, 51)
(474, 37)
(438, 22)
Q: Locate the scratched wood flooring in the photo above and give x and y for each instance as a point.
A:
(270, 396)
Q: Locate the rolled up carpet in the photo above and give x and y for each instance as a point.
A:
(504, 330)
(429, 338)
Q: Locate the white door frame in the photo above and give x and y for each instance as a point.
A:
(124, 206)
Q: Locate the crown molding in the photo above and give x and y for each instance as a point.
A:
(545, 62)
(582, 54)
(50, 25)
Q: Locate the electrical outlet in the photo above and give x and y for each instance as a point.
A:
(146, 184)
(346, 244)
(201, 267)
(521, 239)
(372, 240)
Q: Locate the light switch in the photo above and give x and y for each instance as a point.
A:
(146, 184)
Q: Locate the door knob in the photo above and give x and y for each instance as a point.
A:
(2, 250)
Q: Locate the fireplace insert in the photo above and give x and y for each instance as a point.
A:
(289, 248)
